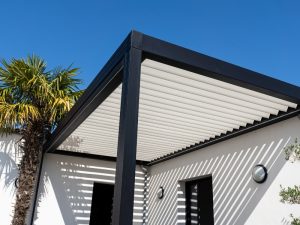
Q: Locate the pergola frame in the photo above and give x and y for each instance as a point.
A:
(124, 67)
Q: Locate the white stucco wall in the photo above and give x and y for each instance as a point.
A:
(237, 198)
(9, 158)
(65, 192)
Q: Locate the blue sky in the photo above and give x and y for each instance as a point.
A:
(260, 35)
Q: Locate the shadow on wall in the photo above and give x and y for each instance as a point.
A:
(285, 221)
(235, 193)
(9, 158)
(72, 143)
(72, 179)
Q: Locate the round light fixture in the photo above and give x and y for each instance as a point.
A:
(160, 192)
(259, 173)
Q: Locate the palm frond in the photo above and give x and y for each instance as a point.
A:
(63, 80)
(17, 114)
(28, 92)
(32, 101)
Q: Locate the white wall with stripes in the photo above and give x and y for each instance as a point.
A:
(66, 187)
(9, 158)
(237, 198)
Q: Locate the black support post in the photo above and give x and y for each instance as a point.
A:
(36, 188)
(126, 156)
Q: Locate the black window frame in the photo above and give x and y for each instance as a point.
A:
(94, 215)
(208, 217)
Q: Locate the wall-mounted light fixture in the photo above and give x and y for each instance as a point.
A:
(160, 192)
(259, 173)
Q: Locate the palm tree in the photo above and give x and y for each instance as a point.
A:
(32, 101)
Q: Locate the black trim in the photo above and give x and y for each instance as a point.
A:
(89, 104)
(91, 156)
(250, 127)
(127, 141)
(37, 186)
(184, 58)
(196, 178)
(102, 86)
(203, 210)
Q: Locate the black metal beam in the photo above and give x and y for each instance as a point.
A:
(126, 156)
(183, 58)
(177, 56)
(36, 188)
(102, 86)
(92, 156)
(251, 127)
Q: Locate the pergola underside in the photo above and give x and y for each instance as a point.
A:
(154, 100)
(177, 109)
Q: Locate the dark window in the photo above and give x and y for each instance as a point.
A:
(101, 209)
(199, 202)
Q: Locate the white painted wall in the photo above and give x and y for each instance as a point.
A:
(9, 158)
(237, 198)
(65, 192)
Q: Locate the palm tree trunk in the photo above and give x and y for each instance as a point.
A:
(28, 168)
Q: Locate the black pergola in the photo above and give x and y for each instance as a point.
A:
(125, 67)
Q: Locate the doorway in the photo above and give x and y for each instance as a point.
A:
(199, 202)
(102, 201)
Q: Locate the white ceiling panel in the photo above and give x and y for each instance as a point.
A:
(177, 109)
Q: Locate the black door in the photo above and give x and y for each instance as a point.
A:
(101, 209)
(199, 202)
